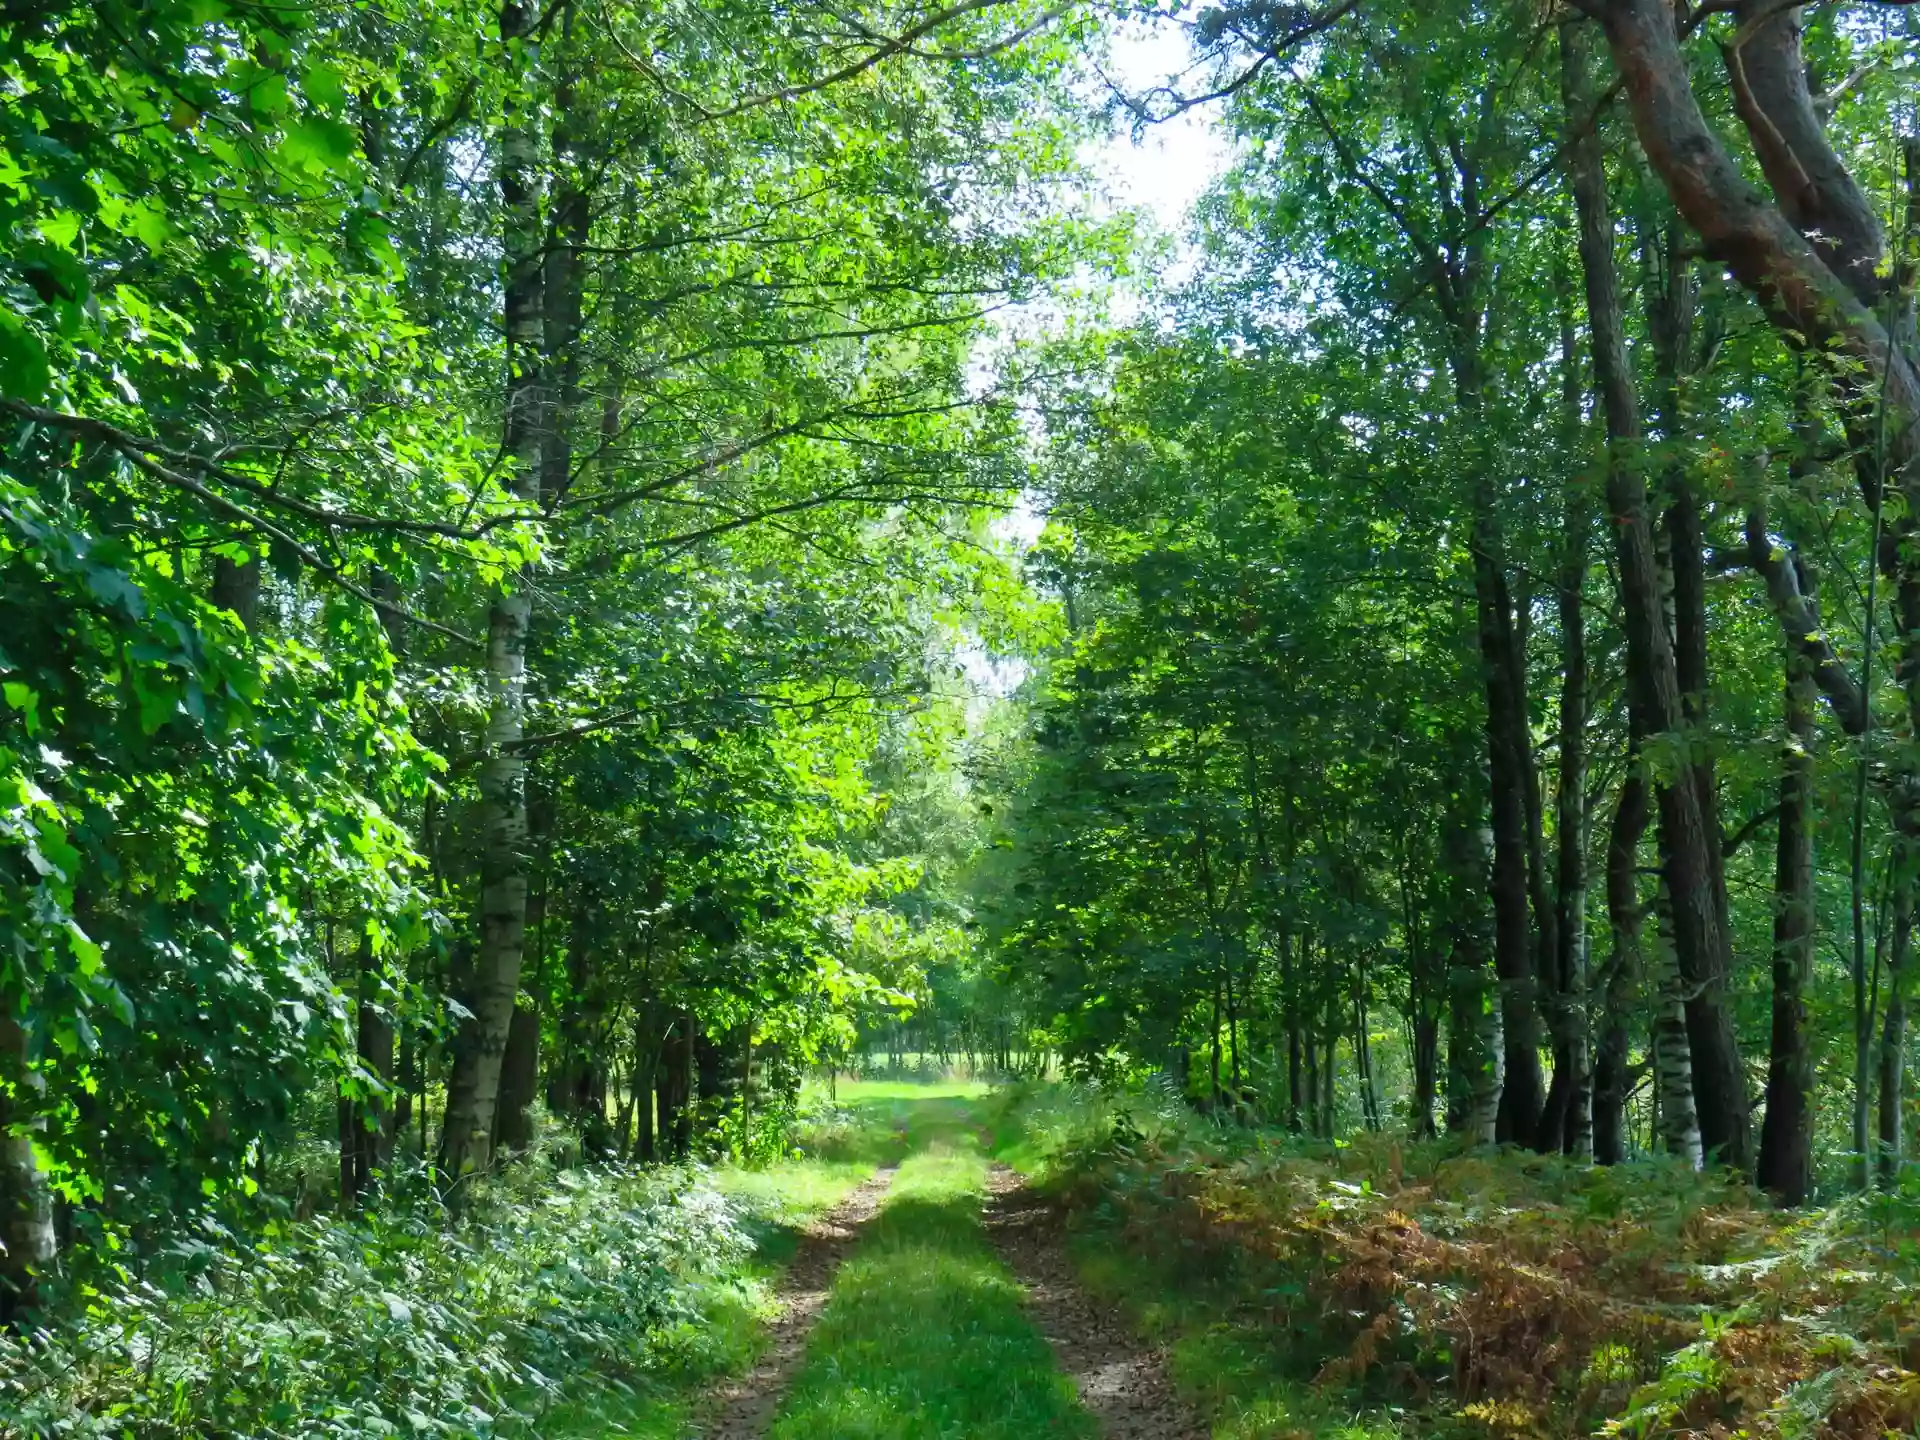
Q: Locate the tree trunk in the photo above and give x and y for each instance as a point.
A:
(1426, 993)
(1678, 1123)
(473, 1088)
(367, 1126)
(407, 1082)
(1474, 1049)
(1329, 1068)
(1786, 1134)
(673, 1086)
(26, 1205)
(645, 1073)
(714, 1080)
(1610, 1078)
(1893, 1040)
(1509, 761)
(1363, 1050)
(1703, 948)
(236, 588)
(519, 1082)
(1509, 755)
(1653, 681)
(1312, 1047)
(580, 1078)
(1290, 1000)
(1568, 1123)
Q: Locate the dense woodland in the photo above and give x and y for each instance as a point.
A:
(1492, 597)
(515, 641)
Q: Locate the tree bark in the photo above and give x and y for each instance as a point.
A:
(1893, 1041)
(1700, 935)
(1330, 1066)
(1568, 1121)
(368, 1127)
(519, 1082)
(580, 1077)
(1426, 1001)
(1785, 1166)
(26, 1205)
(715, 1081)
(645, 1071)
(1290, 981)
(1516, 883)
(673, 1083)
(1474, 1049)
(1624, 968)
(480, 1045)
(1521, 1094)
(1678, 1121)
(236, 588)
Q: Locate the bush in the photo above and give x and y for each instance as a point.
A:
(389, 1324)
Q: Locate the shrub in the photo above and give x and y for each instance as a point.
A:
(388, 1324)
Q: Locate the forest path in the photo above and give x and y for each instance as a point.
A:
(1122, 1383)
(938, 1300)
(741, 1408)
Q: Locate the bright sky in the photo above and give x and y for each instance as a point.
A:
(1162, 173)
(1173, 162)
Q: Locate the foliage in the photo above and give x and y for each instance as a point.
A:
(1520, 1295)
(388, 1324)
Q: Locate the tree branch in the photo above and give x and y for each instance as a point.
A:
(147, 465)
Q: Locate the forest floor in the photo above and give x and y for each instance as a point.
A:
(953, 1263)
(938, 1301)
(908, 1285)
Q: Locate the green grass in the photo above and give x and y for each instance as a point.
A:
(840, 1145)
(855, 1092)
(923, 1337)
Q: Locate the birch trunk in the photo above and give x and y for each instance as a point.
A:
(26, 1205)
(1677, 1124)
(473, 1088)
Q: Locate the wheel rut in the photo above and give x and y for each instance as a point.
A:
(743, 1408)
(1122, 1383)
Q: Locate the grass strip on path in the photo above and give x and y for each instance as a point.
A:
(924, 1336)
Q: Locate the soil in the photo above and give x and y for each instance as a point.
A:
(1123, 1383)
(743, 1408)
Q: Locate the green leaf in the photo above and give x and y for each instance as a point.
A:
(323, 85)
(24, 371)
(319, 145)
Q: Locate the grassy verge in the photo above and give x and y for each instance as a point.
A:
(923, 1337)
(724, 1335)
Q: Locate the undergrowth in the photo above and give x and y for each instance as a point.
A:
(566, 1301)
(1420, 1290)
(392, 1323)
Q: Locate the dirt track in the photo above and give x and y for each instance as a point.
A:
(1121, 1382)
(743, 1408)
